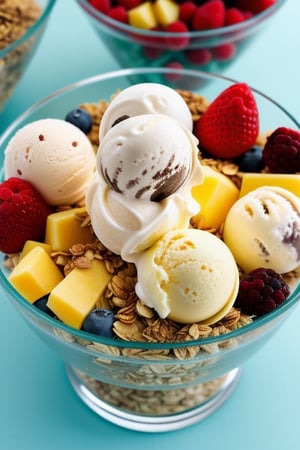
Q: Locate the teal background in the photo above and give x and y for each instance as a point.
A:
(38, 408)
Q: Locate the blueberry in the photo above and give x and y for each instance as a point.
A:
(81, 119)
(100, 322)
(251, 161)
(42, 305)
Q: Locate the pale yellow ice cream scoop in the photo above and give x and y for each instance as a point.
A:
(188, 275)
(53, 155)
(262, 229)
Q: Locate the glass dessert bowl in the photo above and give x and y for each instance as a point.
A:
(210, 50)
(151, 385)
(23, 30)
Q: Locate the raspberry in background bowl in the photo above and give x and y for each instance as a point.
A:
(23, 25)
(149, 386)
(193, 43)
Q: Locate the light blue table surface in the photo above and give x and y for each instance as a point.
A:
(38, 408)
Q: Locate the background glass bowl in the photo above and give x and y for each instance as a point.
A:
(209, 50)
(15, 57)
(148, 386)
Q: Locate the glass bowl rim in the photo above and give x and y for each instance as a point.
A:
(116, 342)
(31, 31)
(217, 32)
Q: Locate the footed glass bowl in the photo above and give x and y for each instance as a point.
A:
(210, 50)
(15, 57)
(151, 386)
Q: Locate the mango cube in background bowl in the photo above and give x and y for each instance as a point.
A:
(24, 22)
(171, 33)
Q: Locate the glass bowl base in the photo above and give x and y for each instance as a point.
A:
(104, 400)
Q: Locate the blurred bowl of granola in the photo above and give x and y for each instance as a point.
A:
(207, 35)
(140, 371)
(22, 24)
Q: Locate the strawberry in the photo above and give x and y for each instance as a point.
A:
(230, 125)
(23, 214)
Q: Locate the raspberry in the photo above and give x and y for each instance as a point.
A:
(261, 291)
(23, 214)
(281, 153)
(129, 4)
(186, 11)
(224, 52)
(208, 16)
(118, 13)
(101, 5)
(233, 16)
(180, 42)
(198, 56)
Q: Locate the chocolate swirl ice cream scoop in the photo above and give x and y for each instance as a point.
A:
(146, 157)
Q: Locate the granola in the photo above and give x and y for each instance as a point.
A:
(16, 17)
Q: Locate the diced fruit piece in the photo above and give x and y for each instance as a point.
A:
(261, 291)
(81, 119)
(29, 245)
(281, 153)
(253, 181)
(166, 12)
(76, 295)
(142, 16)
(230, 125)
(35, 275)
(215, 195)
(23, 214)
(99, 321)
(64, 229)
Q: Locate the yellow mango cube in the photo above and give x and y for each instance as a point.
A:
(76, 295)
(253, 181)
(166, 12)
(142, 16)
(29, 245)
(35, 275)
(63, 229)
(215, 196)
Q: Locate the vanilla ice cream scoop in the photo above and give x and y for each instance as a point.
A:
(146, 157)
(145, 98)
(262, 229)
(54, 156)
(123, 215)
(188, 275)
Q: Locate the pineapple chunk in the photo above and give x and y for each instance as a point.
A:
(252, 181)
(35, 275)
(215, 196)
(166, 12)
(76, 295)
(142, 16)
(29, 245)
(63, 229)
